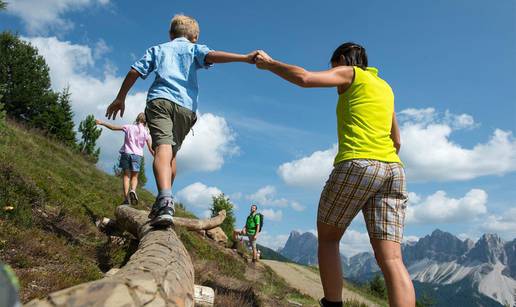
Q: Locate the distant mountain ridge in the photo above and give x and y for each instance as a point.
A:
(484, 272)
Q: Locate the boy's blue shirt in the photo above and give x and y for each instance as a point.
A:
(175, 64)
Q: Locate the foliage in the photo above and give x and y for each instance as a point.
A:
(2, 5)
(27, 96)
(377, 287)
(90, 134)
(222, 202)
(142, 179)
(2, 111)
(425, 301)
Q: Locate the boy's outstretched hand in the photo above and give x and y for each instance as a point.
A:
(114, 107)
(263, 60)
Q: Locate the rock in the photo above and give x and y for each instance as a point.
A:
(217, 234)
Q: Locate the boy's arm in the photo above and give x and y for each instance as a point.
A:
(108, 125)
(119, 103)
(227, 57)
(395, 133)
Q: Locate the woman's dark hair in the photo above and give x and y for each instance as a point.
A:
(354, 55)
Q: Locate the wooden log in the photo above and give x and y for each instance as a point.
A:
(159, 273)
(205, 224)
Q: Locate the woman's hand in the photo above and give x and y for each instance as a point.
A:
(98, 122)
(263, 60)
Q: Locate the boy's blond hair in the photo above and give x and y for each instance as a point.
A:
(184, 26)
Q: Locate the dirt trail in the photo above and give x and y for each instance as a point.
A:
(307, 281)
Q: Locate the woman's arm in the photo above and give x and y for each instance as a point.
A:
(149, 145)
(341, 75)
(395, 133)
(108, 125)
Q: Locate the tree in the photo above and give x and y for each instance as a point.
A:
(377, 286)
(142, 179)
(221, 202)
(3, 5)
(57, 118)
(2, 111)
(25, 76)
(425, 301)
(90, 134)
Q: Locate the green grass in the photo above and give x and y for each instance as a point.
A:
(50, 238)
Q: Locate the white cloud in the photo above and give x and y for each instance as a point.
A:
(266, 196)
(70, 65)
(297, 206)
(198, 195)
(273, 215)
(504, 224)
(272, 241)
(101, 48)
(354, 242)
(310, 171)
(205, 148)
(430, 154)
(439, 208)
(410, 239)
(39, 16)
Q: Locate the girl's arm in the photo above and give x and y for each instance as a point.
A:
(149, 145)
(108, 125)
(395, 133)
(341, 75)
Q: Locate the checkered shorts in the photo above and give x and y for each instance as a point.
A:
(377, 188)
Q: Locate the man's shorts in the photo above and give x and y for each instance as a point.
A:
(252, 241)
(168, 122)
(377, 188)
(130, 162)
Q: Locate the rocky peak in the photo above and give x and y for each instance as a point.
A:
(489, 248)
(440, 246)
(301, 248)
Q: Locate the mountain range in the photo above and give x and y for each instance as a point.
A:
(454, 272)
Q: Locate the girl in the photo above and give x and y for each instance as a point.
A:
(131, 154)
(368, 175)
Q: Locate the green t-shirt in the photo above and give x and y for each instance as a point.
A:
(253, 220)
(364, 119)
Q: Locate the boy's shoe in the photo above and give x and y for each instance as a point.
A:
(324, 303)
(162, 213)
(133, 198)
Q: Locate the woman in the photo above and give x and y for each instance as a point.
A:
(368, 175)
(131, 154)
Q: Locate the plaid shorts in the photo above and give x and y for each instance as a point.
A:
(377, 188)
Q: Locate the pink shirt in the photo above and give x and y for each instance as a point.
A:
(135, 138)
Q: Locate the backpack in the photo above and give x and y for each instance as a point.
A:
(261, 220)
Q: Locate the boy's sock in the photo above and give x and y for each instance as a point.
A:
(327, 303)
(165, 193)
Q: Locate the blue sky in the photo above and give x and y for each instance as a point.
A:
(451, 65)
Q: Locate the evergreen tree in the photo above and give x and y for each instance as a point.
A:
(2, 111)
(2, 5)
(25, 76)
(90, 134)
(377, 286)
(221, 202)
(142, 179)
(425, 301)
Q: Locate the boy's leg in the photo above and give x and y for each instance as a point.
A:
(162, 167)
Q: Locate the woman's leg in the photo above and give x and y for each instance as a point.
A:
(399, 285)
(127, 174)
(330, 267)
(134, 180)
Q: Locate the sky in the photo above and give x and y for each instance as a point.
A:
(261, 139)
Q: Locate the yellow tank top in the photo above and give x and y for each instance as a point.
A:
(364, 119)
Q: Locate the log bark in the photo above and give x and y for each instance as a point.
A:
(159, 273)
(205, 224)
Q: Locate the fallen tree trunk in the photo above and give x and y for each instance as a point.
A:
(193, 224)
(159, 273)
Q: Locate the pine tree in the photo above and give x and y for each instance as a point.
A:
(25, 76)
(142, 179)
(221, 202)
(3, 5)
(90, 134)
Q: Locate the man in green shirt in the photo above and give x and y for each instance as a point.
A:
(251, 230)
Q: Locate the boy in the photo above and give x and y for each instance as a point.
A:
(171, 101)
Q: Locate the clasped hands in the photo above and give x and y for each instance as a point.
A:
(261, 59)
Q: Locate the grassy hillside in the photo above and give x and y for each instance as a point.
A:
(50, 239)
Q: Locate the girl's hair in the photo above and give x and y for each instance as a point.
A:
(353, 54)
(140, 119)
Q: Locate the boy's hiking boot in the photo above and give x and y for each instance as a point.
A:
(133, 198)
(162, 213)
